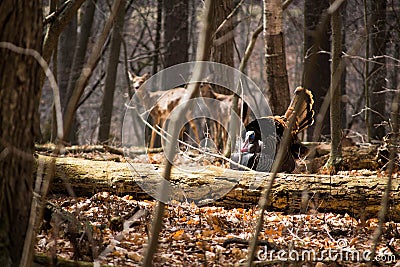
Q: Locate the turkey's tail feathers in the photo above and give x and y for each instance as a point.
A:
(305, 116)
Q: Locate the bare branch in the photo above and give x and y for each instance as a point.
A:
(57, 26)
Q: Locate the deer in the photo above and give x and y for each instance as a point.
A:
(161, 104)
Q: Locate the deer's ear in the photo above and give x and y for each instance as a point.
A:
(131, 75)
(146, 75)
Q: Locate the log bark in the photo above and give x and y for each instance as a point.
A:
(359, 196)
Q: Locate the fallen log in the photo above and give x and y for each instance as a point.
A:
(359, 196)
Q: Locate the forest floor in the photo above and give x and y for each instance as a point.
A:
(113, 229)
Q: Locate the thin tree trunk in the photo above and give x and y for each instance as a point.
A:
(66, 44)
(89, 66)
(52, 128)
(108, 98)
(176, 36)
(277, 79)
(316, 73)
(87, 14)
(158, 37)
(222, 46)
(335, 158)
(366, 73)
(395, 83)
(56, 26)
(21, 25)
(343, 115)
(378, 70)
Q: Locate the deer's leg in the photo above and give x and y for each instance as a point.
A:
(193, 126)
(156, 120)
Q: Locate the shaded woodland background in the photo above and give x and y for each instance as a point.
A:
(150, 43)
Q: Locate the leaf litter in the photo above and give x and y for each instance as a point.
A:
(114, 231)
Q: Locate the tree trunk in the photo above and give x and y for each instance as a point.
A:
(222, 44)
(66, 44)
(21, 25)
(87, 14)
(221, 51)
(108, 98)
(378, 70)
(91, 63)
(275, 59)
(316, 74)
(157, 44)
(335, 158)
(176, 36)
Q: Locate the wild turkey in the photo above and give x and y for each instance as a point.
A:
(262, 141)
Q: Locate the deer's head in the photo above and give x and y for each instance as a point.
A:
(136, 80)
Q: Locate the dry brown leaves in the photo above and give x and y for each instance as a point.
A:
(114, 230)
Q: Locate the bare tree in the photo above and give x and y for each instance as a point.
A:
(335, 158)
(157, 41)
(66, 44)
(19, 100)
(108, 97)
(88, 69)
(223, 41)
(176, 36)
(277, 89)
(317, 71)
(57, 21)
(87, 14)
(377, 75)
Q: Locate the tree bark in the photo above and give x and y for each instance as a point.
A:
(157, 41)
(378, 71)
(277, 89)
(56, 25)
(66, 44)
(316, 74)
(356, 195)
(92, 61)
(176, 36)
(222, 44)
(21, 25)
(87, 13)
(335, 158)
(108, 97)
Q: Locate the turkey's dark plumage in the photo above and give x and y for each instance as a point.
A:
(263, 136)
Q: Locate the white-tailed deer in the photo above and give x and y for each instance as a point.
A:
(161, 104)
